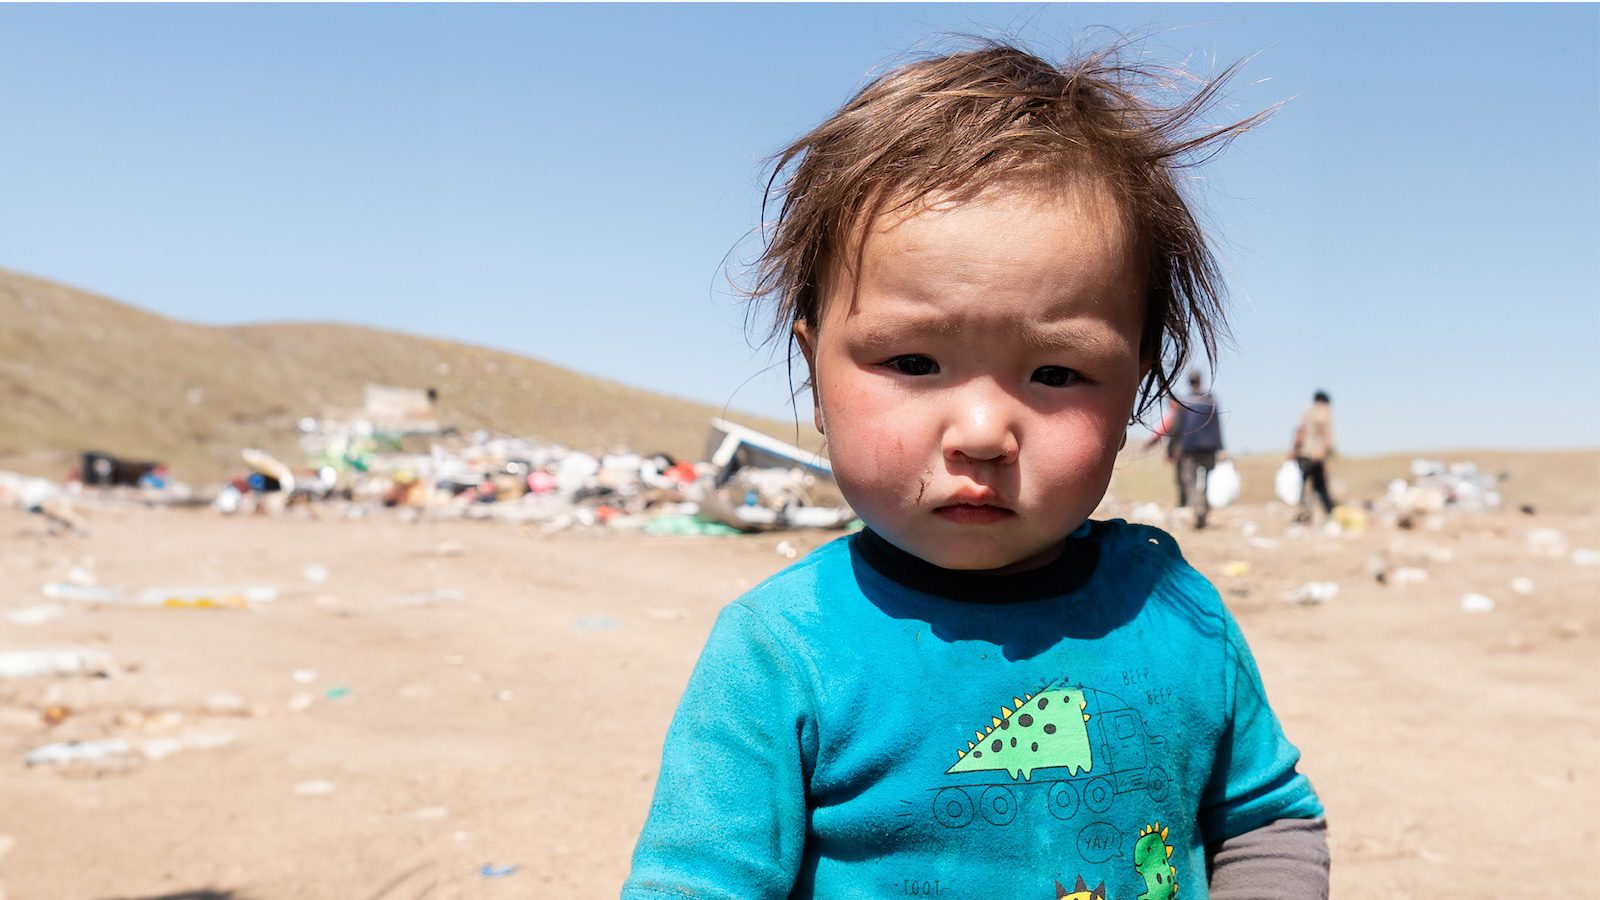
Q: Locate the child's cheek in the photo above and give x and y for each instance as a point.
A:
(873, 450)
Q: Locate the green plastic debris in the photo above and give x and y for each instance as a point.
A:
(687, 525)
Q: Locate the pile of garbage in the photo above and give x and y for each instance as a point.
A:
(1436, 487)
(747, 482)
(41, 497)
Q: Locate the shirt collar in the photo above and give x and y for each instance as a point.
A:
(1063, 575)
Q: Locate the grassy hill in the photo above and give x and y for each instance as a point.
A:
(80, 371)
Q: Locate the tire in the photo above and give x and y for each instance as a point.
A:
(998, 805)
(1063, 800)
(1155, 782)
(1098, 794)
(952, 808)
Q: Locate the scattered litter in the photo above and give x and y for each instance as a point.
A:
(304, 676)
(1406, 575)
(1547, 542)
(208, 598)
(301, 702)
(1584, 556)
(41, 497)
(787, 550)
(314, 573)
(1312, 592)
(36, 615)
(222, 703)
(55, 714)
(1458, 485)
(1236, 568)
(1476, 603)
(490, 870)
(429, 598)
(314, 788)
(80, 576)
(819, 517)
(34, 663)
(1147, 514)
(59, 590)
(688, 525)
(171, 598)
(78, 751)
(160, 748)
(338, 692)
(1351, 520)
(1523, 586)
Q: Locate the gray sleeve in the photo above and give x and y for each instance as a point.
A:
(1284, 858)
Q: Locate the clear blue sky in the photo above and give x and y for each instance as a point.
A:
(1417, 232)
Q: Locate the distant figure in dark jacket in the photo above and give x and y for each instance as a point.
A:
(1194, 432)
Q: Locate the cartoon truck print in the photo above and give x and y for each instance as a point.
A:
(1088, 746)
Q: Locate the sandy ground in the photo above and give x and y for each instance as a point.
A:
(519, 723)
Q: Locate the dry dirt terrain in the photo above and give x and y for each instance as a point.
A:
(349, 739)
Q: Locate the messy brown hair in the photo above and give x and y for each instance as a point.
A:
(964, 121)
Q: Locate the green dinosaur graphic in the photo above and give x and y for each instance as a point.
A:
(1151, 857)
(1041, 731)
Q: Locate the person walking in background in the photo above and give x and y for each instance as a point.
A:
(1313, 444)
(1195, 444)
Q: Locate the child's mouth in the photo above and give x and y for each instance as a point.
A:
(972, 513)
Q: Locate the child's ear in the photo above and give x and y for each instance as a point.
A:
(806, 337)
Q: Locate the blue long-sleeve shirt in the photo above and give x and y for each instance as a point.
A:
(856, 727)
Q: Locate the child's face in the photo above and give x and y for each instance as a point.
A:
(975, 376)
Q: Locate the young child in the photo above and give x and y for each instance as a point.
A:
(988, 268)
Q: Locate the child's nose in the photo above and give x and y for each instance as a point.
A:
(981, 431)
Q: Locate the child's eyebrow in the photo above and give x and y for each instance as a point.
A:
(887, 329)
(1086, 334)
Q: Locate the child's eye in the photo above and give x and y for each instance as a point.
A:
(1056, 376)
(913, 364)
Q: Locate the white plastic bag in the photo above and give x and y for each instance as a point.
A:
(1288, 483)
(1222, 485)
